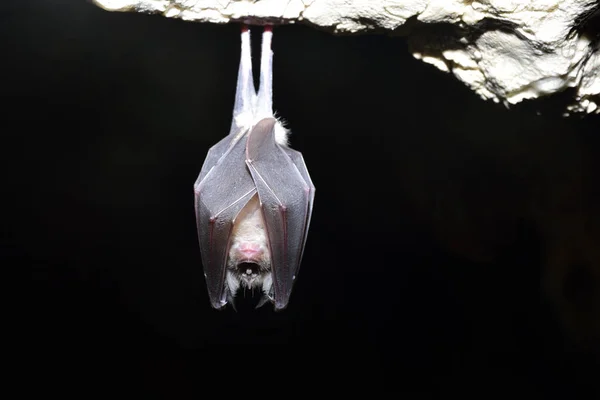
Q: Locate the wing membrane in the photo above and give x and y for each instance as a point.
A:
(220, 196)
(285, 198)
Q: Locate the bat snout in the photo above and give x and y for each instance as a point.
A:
(251, 254)
(250, 251)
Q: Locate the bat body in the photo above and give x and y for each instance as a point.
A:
(253, 197)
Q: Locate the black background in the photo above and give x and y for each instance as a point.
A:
(423, 265)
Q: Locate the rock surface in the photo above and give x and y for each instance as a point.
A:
(504, 50)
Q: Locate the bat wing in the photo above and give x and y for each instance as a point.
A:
(220, 194)
(215, 153)
(285, 198)
(298, 160)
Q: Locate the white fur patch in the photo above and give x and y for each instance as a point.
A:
(281, 133)
(249, 231)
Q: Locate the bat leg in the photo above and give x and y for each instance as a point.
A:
(245, 94)
(265, 88)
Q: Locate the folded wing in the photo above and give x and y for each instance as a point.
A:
(220, 194)
(285, 197)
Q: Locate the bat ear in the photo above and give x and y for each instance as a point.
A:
(263, 134)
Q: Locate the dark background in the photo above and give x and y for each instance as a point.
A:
(438, 216)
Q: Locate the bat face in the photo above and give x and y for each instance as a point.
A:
(249, 257)
(253, 197)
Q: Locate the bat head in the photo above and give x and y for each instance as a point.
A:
(249, 257)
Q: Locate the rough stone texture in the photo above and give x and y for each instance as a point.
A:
(504, 50)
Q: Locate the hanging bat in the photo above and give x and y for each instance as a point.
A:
(253, 197)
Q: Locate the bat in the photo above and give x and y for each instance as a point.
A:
(253, 196)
